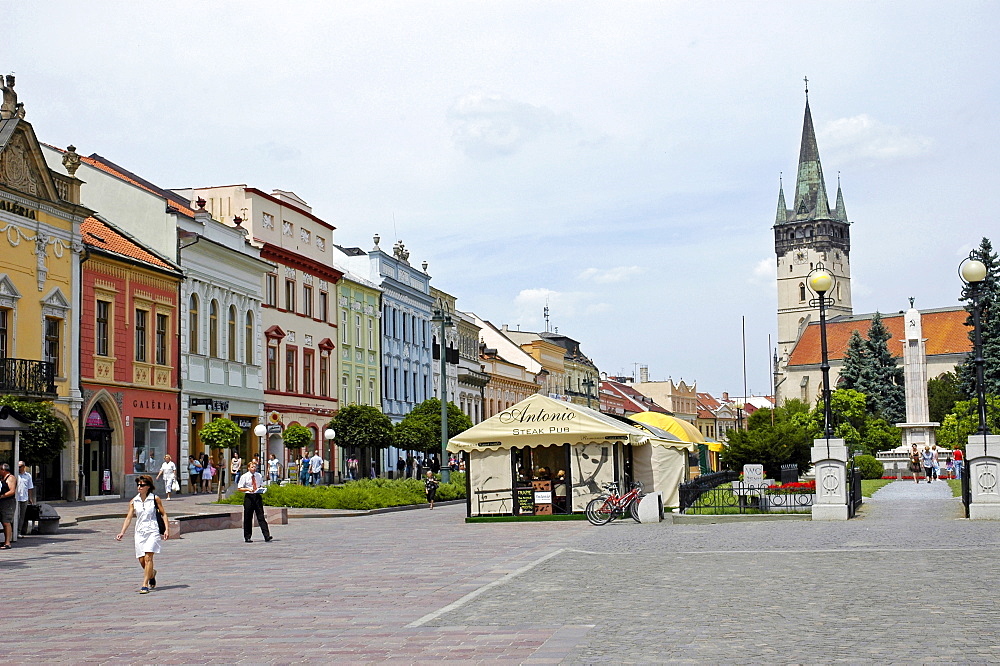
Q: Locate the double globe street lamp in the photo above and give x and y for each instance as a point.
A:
(441, 315)
(821, 282)
(973, 273)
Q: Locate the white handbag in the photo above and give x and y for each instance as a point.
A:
(175, 486)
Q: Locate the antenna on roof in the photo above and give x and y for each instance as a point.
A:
(546, 314)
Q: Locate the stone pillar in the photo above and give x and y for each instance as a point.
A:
(982, 455)
(830, 463)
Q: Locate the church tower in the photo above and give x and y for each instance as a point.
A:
(808, 233)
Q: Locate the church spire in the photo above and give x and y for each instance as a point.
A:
(841, 212)
(810, 191)
(782, 215)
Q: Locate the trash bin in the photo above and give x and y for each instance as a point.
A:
(789, 474)
(48, 519)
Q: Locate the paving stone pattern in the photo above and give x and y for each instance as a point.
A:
(422, 586)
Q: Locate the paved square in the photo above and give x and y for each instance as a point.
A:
(908, 581)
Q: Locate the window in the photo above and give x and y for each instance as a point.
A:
(307, 300)
(307, 372)
(343, 327)
(291, 369)
(150, 444)
(343, 388)
(4, 331)
(324, 375)
(102, 331)
(357, 330)
(802, 292)
(193, 325)
(271, 290)
(248, 339)
(357, 391)
(162, 353)
(140, 335)
(272, 368)
(324, 305)
(406, 385)
(371, 335)
(231, 346)
(290, 295)
(405, 338)
(371, 392)
(213, 329)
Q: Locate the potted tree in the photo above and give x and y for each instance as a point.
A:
(297, 437)
(218, 435)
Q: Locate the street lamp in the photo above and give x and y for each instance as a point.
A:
(973, 272)
(328, 435)
(589, 384)
(821, 281)
(260, 430)
(443, 317)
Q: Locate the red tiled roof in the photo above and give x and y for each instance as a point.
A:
(634, 401)
(99, 235)
(944, 330)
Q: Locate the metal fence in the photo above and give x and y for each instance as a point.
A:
(854, 497)
(710, 494)
(690, 492)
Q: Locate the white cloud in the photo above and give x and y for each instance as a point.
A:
(610, 275)
(863, 137)
(486, 126)
(765, 272)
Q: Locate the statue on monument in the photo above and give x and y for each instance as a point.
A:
(10, 107)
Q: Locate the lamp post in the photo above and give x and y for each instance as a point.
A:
(443, 317)
(328, 435)
(973, 272)
(589, 384)
(260, 430)
(821, 281)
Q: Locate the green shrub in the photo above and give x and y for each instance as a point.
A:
(358, 495)
(870, 467)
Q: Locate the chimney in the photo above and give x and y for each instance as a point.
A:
(725, 396)
(643, 374)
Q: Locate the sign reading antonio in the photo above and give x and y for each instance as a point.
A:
(537, 415)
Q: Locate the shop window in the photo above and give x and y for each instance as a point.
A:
(540, 474)
(102, 328)
(193, 324)
(162, 350)
(149, 445)
(141, 323)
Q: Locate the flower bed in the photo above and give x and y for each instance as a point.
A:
(804, 488)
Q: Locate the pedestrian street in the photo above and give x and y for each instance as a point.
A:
(906, 581)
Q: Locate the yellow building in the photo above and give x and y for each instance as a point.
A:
(40, 219)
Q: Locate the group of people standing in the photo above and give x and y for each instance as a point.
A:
(412, 467)
(15, 493)
(929, 462)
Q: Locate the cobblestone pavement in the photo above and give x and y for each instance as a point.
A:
(908, 581)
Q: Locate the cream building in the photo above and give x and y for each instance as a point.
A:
(513, 373)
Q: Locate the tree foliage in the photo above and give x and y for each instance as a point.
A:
(220, 434)
(46, 437)
(989, 299)
(854, 423)
(943, 392)
(429, 413)
(362, 426)
(964, 421)
(414, 435)
(854, 373)
(297, 436)
(886, 395)
(787, 441)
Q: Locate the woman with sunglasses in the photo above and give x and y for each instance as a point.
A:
(144, 507)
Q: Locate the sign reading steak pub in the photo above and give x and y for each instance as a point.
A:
(524, 415)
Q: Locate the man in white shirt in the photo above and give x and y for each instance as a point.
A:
(250, 485)
(25, 494)
(315, 467)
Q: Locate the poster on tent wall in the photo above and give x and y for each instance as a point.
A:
(490, 480)
(593, 466)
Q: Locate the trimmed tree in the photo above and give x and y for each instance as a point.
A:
(414, 434)
(297, 436)
(429, 411)
(362, 426)
(220, 434)
(47, 436)
(787, 441)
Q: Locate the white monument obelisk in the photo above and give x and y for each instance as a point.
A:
(918, 428)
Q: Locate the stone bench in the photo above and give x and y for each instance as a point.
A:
(223, 520)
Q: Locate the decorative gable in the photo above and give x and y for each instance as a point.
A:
(9, 294)
(22, 165)
(55, 304)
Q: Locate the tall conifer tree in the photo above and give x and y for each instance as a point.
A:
(990, 323)
(854, 373)
(886, 395)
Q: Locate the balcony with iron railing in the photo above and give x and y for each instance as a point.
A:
(27, 378)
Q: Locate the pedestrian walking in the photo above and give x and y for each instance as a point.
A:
(409, 466)
(168, 470)
(949, 467)
(144, 507)
(937, 463)
(915, 463)
(315, 468)
(207, 472)
(352, 468)
(434, 465)
(273, 468)
(25, 494)
(8, 503)
(194, 474)
(959, 462)
(304, 468)
(400, 467)
(252, 486)
(235, 465)
(927, 460)
(431, 487)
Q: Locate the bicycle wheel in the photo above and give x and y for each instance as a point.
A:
(599, 512)
(633, 509)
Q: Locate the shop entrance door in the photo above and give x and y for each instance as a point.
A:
(97, 454)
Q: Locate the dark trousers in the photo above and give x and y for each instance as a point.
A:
(254, 504)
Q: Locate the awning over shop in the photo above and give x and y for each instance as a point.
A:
(684, 431)
(714, 445)
(662, 437)
(541, 421)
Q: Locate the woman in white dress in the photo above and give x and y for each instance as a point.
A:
(168, 470)
(147, 532)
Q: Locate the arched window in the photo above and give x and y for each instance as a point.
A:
(193, 324)
(231, 346)
(248, 339)
(213, 329)
(802, 292)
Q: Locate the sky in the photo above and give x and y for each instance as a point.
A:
(617, 161)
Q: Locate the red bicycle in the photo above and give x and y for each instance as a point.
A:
(602, 510)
